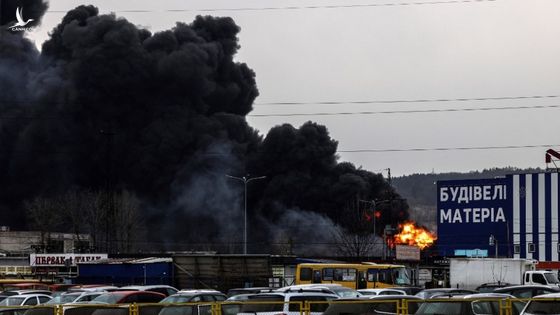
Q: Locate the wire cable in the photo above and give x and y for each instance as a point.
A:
(436, 100)
(335, 6)
(412, 111)
(450, 148)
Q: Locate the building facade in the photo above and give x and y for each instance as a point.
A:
(512, 216)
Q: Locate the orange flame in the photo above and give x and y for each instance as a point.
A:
(410, 234)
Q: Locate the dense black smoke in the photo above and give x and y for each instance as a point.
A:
(109, 106)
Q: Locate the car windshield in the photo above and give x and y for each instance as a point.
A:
(109, 298)
(12, 300)
(344, 291)
(432, 308)
(67, 298)
(177, 299)
(543, 307)
(551, 278)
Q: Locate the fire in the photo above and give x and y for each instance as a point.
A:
(410, 234)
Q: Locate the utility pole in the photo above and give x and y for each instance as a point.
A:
(110, 187)
(245, 179)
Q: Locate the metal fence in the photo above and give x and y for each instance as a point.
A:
(496, 306)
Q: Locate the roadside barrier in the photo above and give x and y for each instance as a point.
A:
(497, 306)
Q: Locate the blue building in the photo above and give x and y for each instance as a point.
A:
(513, 216)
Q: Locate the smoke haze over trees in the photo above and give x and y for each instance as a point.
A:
(108, 106)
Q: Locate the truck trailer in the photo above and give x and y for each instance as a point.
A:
(469, 273)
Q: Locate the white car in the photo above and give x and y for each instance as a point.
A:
(340, 290)
(287, 302)
(75, 297)
(25, 299)
(384, 291)
(548, 304)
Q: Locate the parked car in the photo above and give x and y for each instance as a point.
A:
(166, 290)
(341, 291)
(472, 304)
(75, 297)
(25, 299)
(189, 296)
(251, 290)
(410, 290)
(527, 291)
(239, 297)
(546, 304)
(381, 291)
(26, 291)
(284, 302)
(429, 293)
(374, 305)
(118, 297)
(490, 287)
(92, 288)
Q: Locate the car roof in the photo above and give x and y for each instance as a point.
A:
(394, 297)
(488, 295)
(548, 295)
(147, 287)
(256, 296)
(380, 290)
(528, 286)
(199, 291)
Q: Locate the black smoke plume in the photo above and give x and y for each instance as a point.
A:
(110, 106)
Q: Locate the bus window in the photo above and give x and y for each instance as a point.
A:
(328, 274)
(338, 275)
(372, 275)
(317, 276)
(385, 276)
(305, 274)
(401, 276)
(347, 274)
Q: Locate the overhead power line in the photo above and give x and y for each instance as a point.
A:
(412, 111)
(307, 7)
(427, 100)
(450, 148)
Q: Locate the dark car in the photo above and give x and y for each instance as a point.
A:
(373, 305)
(527, 291)
(190, 296)
(490, 287)
(166, 290)
(119, 297)
(105, 304)
(429, 293)
(251, 290)
(474, 304)
(409, 290)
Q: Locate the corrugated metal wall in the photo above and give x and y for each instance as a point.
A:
(221, 272)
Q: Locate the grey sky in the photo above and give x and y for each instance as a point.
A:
(400, 52)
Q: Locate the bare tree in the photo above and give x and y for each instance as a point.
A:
(129, 221)
(44, 216)
(357, 239)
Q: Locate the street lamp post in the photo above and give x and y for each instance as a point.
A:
(245, 180)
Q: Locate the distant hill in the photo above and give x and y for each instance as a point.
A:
(420, 190)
